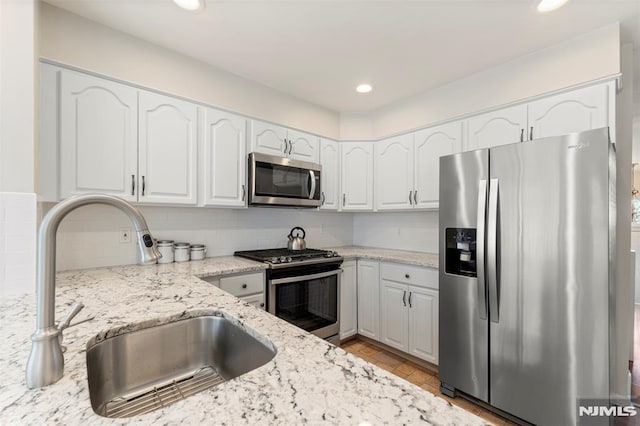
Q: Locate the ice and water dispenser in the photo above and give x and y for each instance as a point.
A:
(460, 258)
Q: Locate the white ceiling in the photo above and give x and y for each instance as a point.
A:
(319, 50)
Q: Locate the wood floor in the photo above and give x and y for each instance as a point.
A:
(415, 374)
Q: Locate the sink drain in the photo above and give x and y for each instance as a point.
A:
(161, 395)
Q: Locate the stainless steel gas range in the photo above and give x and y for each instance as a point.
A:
(303, 288)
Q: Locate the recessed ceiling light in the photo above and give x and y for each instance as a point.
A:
(549, 5)
(191, 5)
(364, 88)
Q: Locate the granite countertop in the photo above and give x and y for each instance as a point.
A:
(429, 260)
(308, 381)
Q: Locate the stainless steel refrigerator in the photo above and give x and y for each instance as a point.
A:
(527, 236)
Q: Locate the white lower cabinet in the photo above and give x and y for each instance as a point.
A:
(423, 323)
(409, 310)
(247, 287)
(368, 298)
(348, 300)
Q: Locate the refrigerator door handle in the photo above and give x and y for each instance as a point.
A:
(492, 252)
(480, 246)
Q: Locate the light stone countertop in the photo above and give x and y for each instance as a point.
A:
(417, 258)
(308, 381)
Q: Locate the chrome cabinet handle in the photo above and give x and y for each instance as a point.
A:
(344, 199)
(290, 146)
(521, 135)
(133, 184)
(407, 276)
(243, 192)
(410, 294)
(285, 146)
(404, 298)
(481, 296)
(143, 186)
(410, 200)
(262, 305)
(323, 198)
(415, 197)
(244, 286)
(531, 134)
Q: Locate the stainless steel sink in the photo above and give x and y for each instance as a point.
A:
(140, 371)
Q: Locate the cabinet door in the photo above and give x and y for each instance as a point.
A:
(330, 175)
(268, 139)
(430, 144)
(576, 111)
(368, 298)
(496, 128)
(167, 149)
(348, 301)
(255, 300)
(394, 314)
(394, 173)
(98, 136)
(423, 323)
(357, 175)
(303, 146)
(225, 159)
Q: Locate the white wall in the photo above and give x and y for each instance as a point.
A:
(18, 68)
(89, 236)
(71, 39)
(417, 231)
(586, 58)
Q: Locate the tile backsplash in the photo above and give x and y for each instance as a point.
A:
(17, 243)
(89, 237)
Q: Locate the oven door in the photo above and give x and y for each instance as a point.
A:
(284, 182)
(311, 302)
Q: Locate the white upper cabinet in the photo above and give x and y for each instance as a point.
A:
(501, 127)
(168, 150)
(98, 136)
(575, 111)
(268, 138)
(303, 146)
(357, 175)
(330, 175)
(224, 162)
(394, 173)
(276, 140)
(430, 144)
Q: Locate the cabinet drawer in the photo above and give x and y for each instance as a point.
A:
(241, 285)
(413, 275)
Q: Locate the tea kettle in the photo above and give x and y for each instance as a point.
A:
(296, 242)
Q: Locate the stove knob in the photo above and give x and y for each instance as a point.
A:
(274, 260)
(289, 260)
(283, 259)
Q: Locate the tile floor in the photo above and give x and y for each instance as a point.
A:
(415, 374)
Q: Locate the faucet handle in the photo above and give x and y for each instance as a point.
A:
(75, 309)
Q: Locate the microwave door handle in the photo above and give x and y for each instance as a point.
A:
(312, 178)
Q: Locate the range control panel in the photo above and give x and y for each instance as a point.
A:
(460, 256)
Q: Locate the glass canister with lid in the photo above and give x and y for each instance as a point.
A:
(181, 252)
(198, 251)
(165, 247)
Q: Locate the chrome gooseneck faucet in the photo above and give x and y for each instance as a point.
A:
(46, 362)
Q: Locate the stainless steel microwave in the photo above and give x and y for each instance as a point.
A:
(278, 181)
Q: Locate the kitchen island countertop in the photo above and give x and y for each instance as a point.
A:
(308, 381)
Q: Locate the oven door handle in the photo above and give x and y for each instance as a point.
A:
(304, 277)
